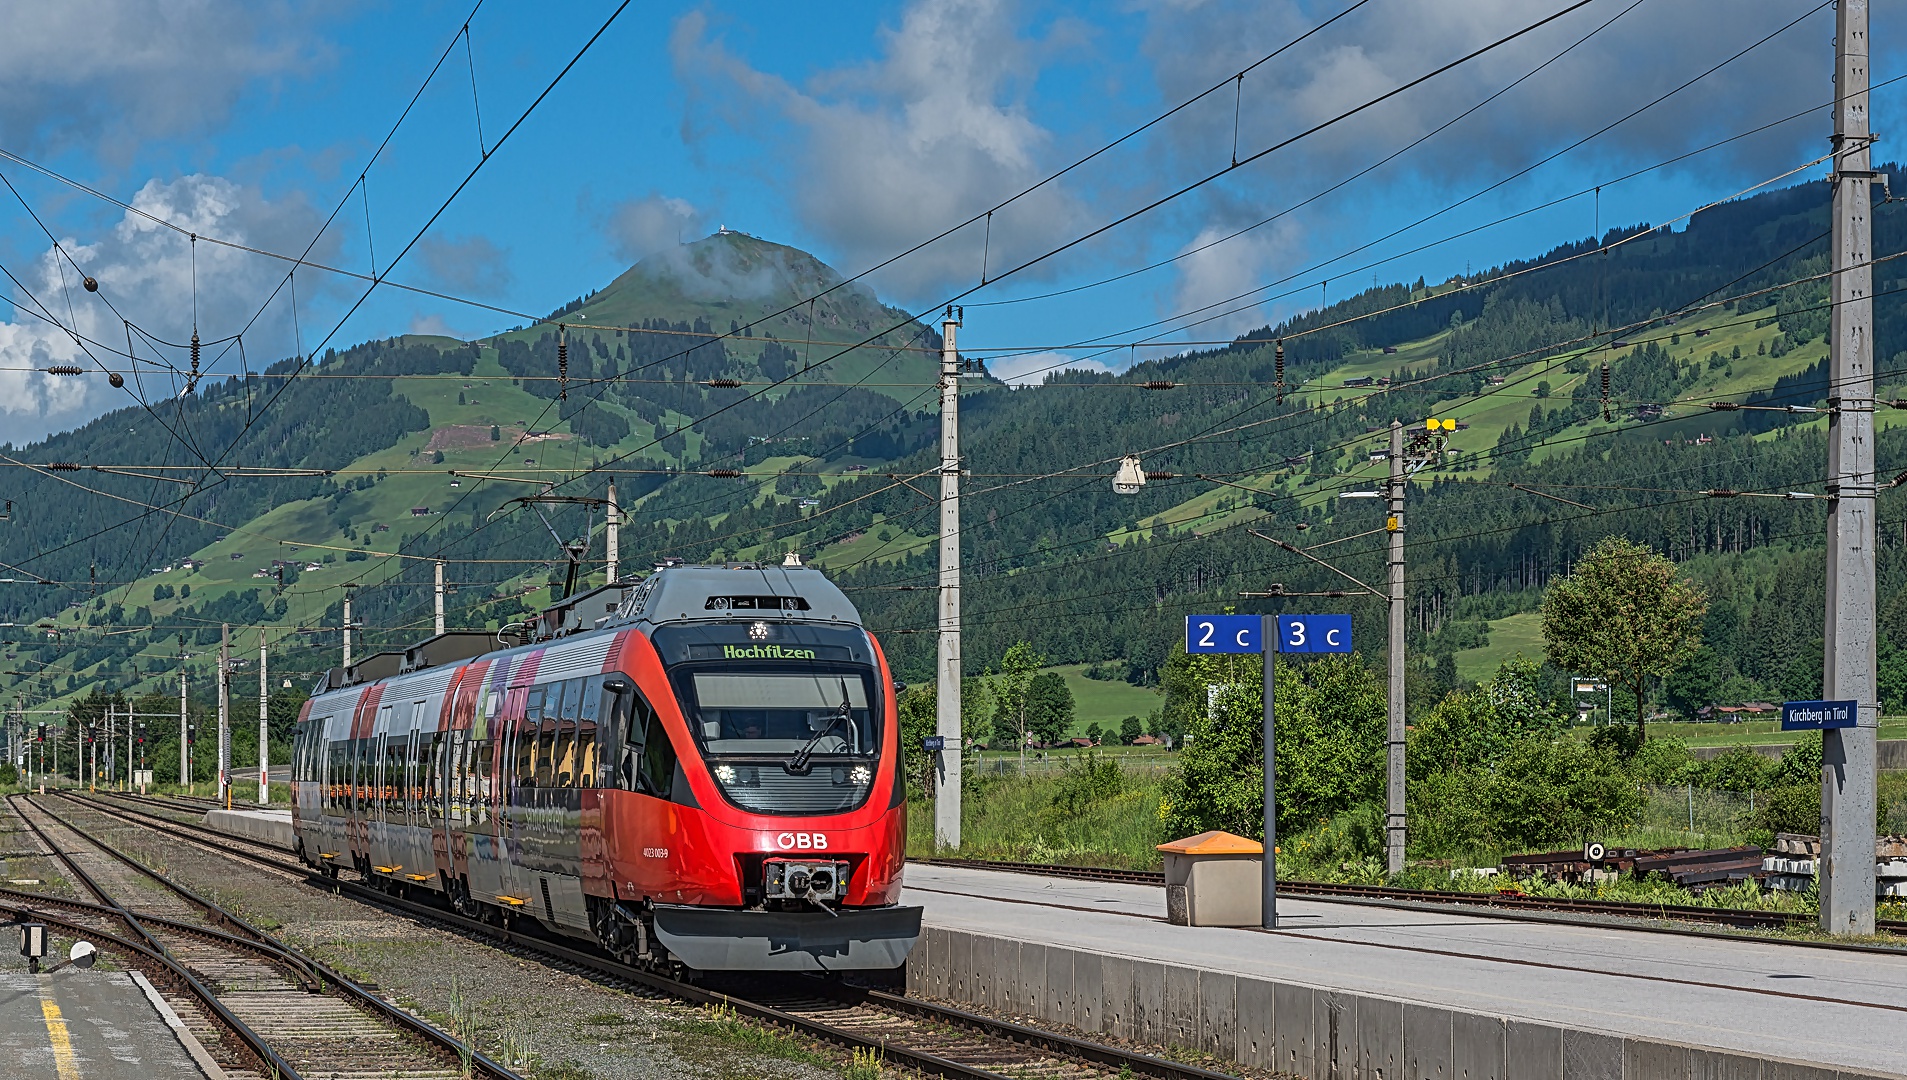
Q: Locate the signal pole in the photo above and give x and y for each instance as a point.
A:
(264, 731)
(185, 748)
(613, 518)
(1394, 748)
(1848, 755)
(224, 789)
(947, 692)
(347, 626)
(439, 594)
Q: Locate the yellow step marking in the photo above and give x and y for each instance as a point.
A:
(63, 1057)
(511, 900)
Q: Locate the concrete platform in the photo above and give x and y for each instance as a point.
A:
(265, 826)
(1351, 992)
(93, 1025)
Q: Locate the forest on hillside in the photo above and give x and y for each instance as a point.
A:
(1051, 554)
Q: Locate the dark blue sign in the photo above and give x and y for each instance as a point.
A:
(934, 744)
(1818, 715)
(1314, 633)
(1224, 633)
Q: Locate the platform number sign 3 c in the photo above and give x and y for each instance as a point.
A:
(1314, 633)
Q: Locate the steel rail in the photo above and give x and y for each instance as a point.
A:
(437, 1038)
(253, 1042)
(1036, 1038)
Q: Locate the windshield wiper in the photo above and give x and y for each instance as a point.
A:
(799, 762)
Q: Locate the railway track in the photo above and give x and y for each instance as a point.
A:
(1501, 904)
(929, 1038)
(258, 1007)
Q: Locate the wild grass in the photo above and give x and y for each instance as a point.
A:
(1092, 813)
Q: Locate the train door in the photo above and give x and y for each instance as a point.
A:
(415, 834)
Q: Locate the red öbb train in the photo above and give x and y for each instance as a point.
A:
(700, 768)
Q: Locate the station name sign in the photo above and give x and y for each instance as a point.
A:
(1818, 715)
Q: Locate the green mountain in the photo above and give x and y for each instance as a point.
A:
(826, 462)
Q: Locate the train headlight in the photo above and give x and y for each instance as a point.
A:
(725, 773)
(758, 631)
(862, 774)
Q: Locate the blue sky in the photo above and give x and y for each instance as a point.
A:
(850, 130)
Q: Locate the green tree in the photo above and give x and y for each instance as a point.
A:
(917, 721)
(1622, 614)
(1694, 684)
(1012, 693)
(1049, 707)
(1095, 732)
(1129, 730)
(1330, 715)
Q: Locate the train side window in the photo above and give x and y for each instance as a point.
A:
(572, 698)
(483, 755)
(657, 754)
(563, 755)
(588, 724)
(524, 739)
(533, 704)
(631, 724)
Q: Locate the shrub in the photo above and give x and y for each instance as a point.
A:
(1085, 780)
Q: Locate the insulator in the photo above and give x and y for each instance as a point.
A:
(722, 384)
(192, 380)
(1605, 392)
(63, 466)
(1161, 476)
(725, 474)
(116, 379)
(91, 285)
(66, 369)
(562, 364)
(1278, 367)
(1158, 384)
(1724, 406)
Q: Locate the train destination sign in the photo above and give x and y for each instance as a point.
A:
(1818, 715)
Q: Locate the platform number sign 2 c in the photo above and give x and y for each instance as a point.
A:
(1224, 634)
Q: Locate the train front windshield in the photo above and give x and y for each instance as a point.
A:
(799, 741)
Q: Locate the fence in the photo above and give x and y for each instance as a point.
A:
(1696, 810)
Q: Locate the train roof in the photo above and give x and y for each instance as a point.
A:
(714, 593)
(672, 594)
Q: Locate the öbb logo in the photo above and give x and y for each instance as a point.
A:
(802, 841)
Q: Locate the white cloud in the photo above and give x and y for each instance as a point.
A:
(1193, 44)
(1033, 368)
(471, 265)
(74, 71)
(642, 227)
(148, 272)
(1212, 273)
(884, 154)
